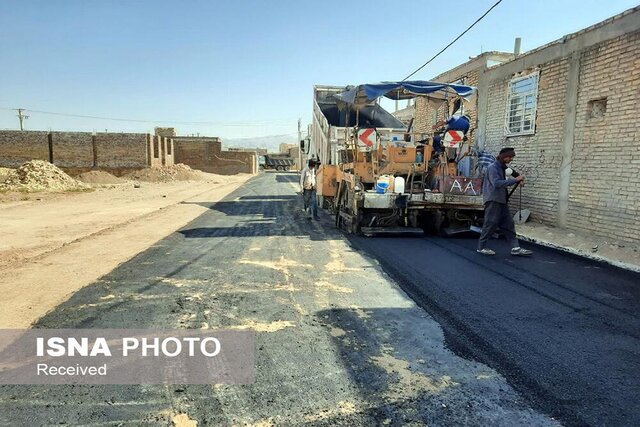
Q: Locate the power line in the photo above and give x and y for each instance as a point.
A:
(454, 40)
(239, 123)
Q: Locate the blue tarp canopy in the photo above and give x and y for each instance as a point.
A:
(366, 93)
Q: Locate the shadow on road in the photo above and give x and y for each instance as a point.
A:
(252, 216)
(293, 177)
(270, 198)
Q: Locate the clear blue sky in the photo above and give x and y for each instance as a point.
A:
(248, 66)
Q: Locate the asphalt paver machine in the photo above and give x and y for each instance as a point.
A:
(393, 180)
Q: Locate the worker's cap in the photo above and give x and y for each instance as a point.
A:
(507, 152)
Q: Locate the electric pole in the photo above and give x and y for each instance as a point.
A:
(22, 117)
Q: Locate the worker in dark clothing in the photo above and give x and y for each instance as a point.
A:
(496, 210)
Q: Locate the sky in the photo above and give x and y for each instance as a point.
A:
(246, 68)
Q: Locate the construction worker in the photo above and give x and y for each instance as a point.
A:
(308, 185)
(496, 210)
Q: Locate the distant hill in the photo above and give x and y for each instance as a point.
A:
(271, 143)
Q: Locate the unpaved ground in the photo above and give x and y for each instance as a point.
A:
(54, 243)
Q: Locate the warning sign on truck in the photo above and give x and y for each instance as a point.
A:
(366, 139)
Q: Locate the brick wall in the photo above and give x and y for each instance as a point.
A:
(79, 151)
(425, 117)
(17, 147)
(538, 156)
(121, 150)
(167, 132)
(168, 151)
(72, 149)
(196, 152)
(206, 154)
(232, 162)
(605, 168)
(601, 149)
(154, 151)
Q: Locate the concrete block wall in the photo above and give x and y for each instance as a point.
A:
(17, 147)
(605, 168)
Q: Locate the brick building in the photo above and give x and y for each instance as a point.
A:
(427, 115)
(570, 109)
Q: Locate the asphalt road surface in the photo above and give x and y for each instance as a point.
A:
(563, 330)
(482, 341)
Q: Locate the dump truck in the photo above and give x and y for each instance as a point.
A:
(279, 162)
(378, 176)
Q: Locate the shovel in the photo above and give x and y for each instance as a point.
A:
(522, 215)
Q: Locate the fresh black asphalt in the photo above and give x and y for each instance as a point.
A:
(563, 330)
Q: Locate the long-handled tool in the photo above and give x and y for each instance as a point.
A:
(523, 214)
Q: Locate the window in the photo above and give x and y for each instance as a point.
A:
(521, 105)
(597, 108)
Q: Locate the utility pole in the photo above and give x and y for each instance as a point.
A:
(22, 117)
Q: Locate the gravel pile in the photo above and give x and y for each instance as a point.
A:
(5, 173)
(38, 175)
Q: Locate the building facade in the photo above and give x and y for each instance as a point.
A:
(469, 73)
(570, 109)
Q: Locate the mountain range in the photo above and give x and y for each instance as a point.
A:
(271, 143)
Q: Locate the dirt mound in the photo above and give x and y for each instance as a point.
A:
(38, 175)
(179, 172)
(99, 177)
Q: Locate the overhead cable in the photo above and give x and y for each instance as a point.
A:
(230, 123)
(454, 40)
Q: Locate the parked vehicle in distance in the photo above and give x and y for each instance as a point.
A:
(278, 162)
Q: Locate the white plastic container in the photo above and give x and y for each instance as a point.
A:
(398, 184)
